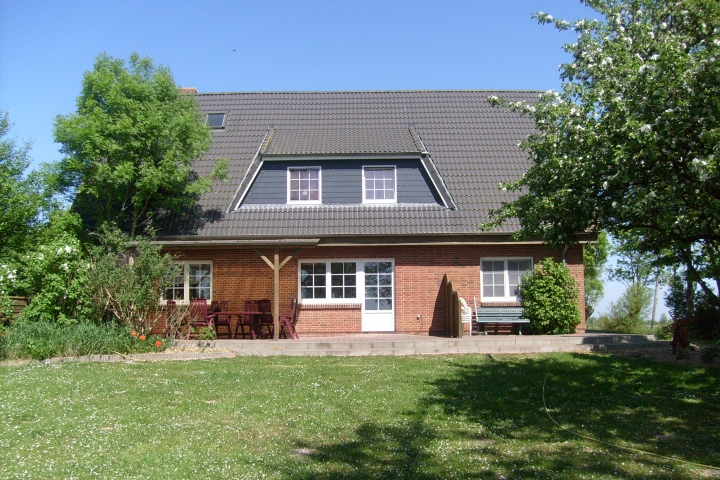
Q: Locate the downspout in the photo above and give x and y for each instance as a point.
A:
(565, 249)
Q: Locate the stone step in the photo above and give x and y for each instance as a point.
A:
(409, 345)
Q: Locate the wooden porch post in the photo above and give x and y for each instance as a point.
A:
(276, 310)
(276, 266)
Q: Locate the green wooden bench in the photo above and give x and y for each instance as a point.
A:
(497, 315)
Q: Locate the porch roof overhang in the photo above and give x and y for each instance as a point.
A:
(240, 242)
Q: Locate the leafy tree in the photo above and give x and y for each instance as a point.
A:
(21, 198)
(635, 266)
(632, 265)
(630, 144)
(130, 146)
(550, 299)
(594, 257)
(628, 313)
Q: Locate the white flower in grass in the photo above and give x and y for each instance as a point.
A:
(64, 266)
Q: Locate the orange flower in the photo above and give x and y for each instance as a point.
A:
(133, 333)
(158, 343)
(142, 337)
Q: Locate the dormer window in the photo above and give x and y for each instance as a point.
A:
(216, 120)
(379, 185)
(304, 185)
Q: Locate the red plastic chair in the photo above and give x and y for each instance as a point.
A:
(266, 317)
(221, 320)
(198, 317)
(287, 322)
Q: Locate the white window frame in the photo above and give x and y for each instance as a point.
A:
(508, 296)
(380, 167)
(186, 281)
(359, 280)
(305, 202)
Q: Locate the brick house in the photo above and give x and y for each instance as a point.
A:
(357, 204)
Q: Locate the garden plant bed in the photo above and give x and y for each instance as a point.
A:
(423, 417)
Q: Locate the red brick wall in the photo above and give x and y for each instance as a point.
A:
(239, 274)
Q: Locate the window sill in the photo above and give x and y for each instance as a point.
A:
(330, 306)
(500, 303)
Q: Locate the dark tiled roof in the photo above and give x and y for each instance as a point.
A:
(473, 146)
(323, 141)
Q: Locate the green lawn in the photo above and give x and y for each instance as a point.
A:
(462, 416)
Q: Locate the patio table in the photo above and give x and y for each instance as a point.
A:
(254, 323)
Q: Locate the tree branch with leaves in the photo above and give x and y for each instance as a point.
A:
(630, 144)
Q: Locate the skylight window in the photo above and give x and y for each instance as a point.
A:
(216, 120)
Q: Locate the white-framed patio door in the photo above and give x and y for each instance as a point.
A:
(378, 306)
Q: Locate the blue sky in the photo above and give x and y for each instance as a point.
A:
(46, 46)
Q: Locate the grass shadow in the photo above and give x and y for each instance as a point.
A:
(487, 414)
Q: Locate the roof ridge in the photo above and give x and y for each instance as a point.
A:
(309, 92)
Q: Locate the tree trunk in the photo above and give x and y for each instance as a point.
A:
(655, 297)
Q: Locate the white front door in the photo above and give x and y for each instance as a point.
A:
(378, 307)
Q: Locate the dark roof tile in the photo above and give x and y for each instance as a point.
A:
(473, 145)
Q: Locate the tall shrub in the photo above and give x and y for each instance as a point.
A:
(129, 278)
(7, 279)
(550, 299)
(55, 276)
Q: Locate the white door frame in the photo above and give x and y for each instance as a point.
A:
(376, 320)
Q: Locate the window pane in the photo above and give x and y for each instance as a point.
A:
(385, 267)
(379, 183)
(385, 292)
(371, 304)
(312, 275)
(350, 292)
(304, 184)
(337, 292)
(216, 120)
(385, 304)
(371, 280)
(371, 292)
(371, 267)
(385, 279)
